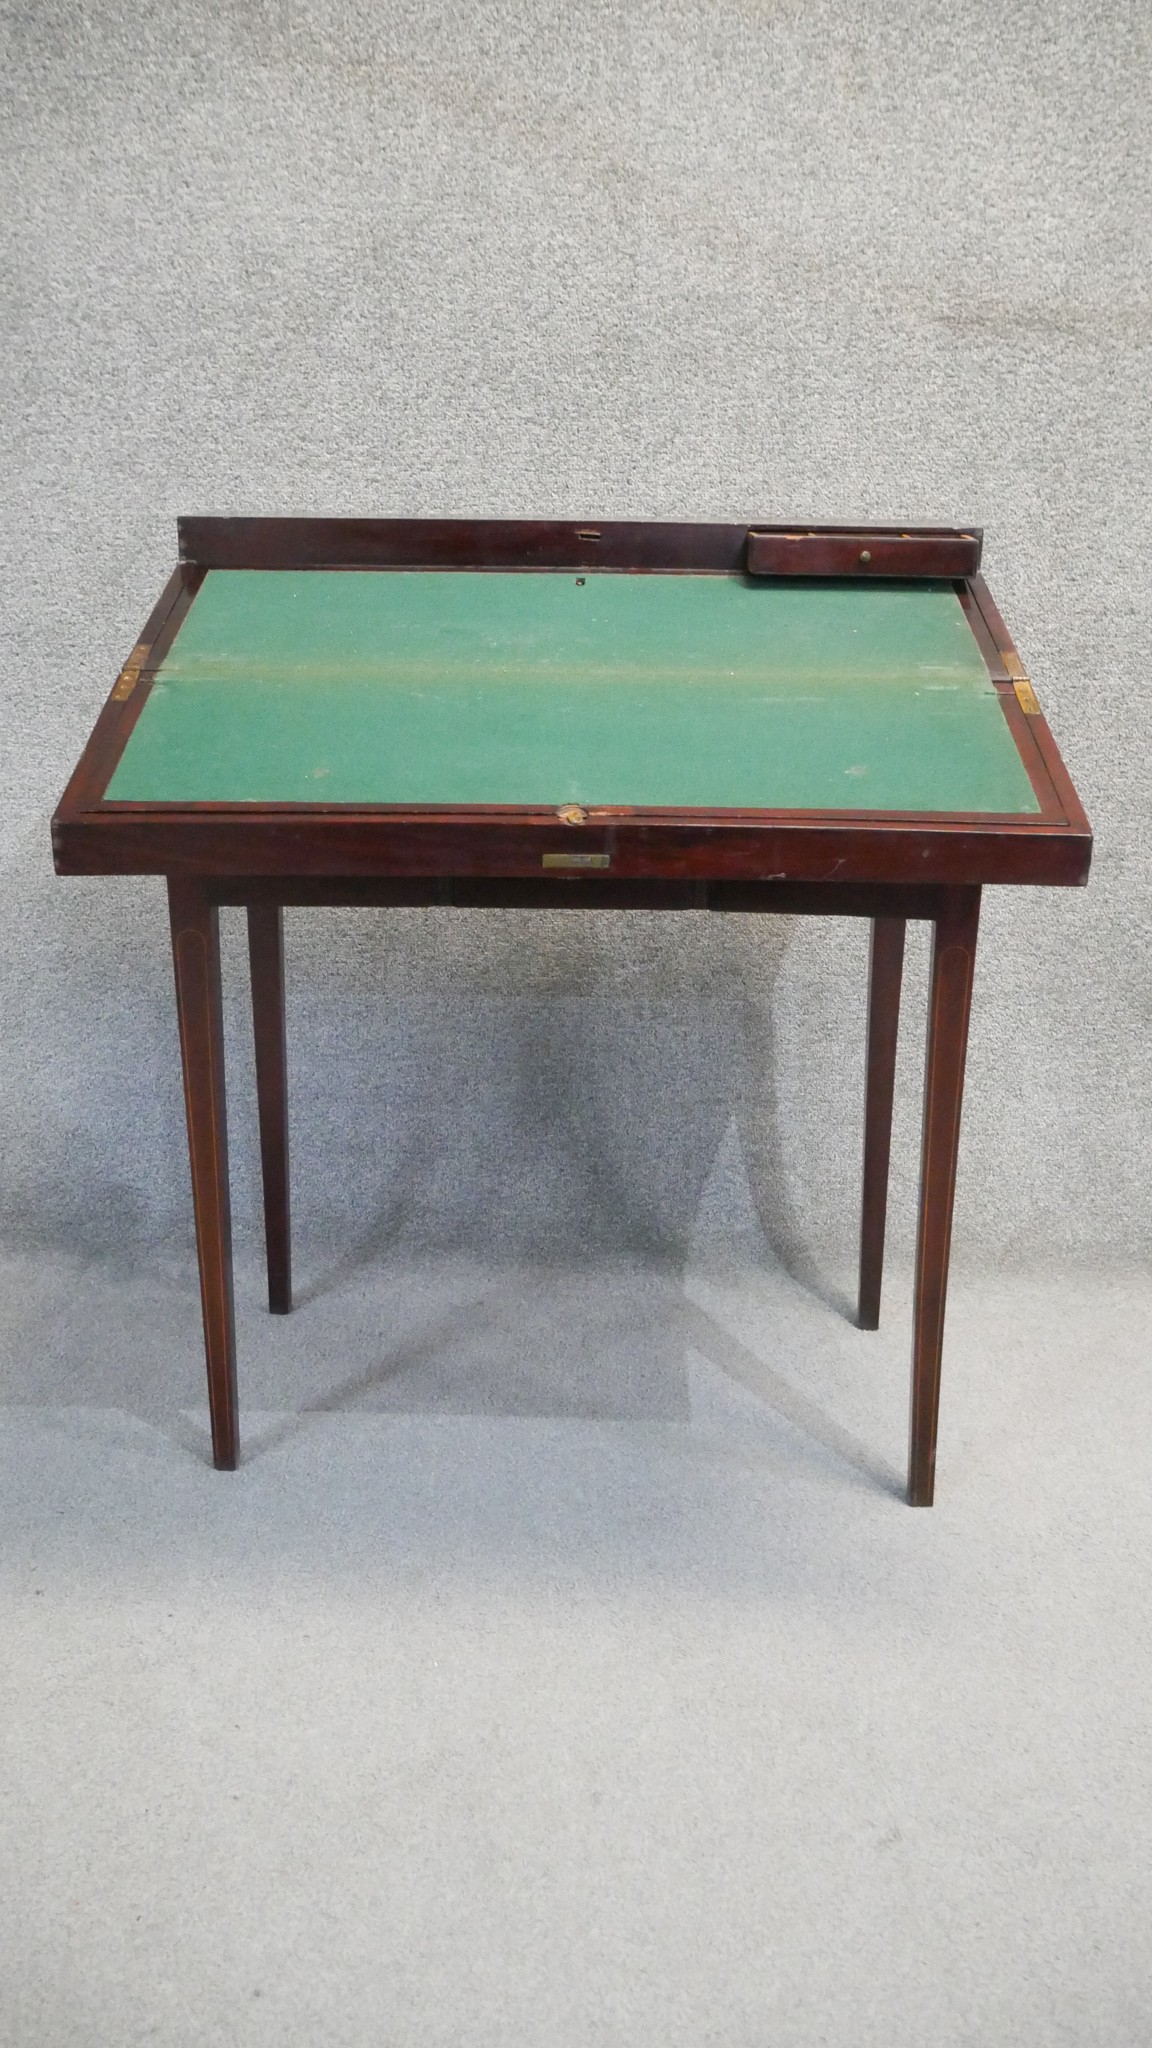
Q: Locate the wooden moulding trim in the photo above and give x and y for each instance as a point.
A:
(540, 817)
(1052, 791)
(494, 543)
(1038, 730)
(143, 844)
(981, 631)
(860, 552)
(126, 699)
(1052, 810)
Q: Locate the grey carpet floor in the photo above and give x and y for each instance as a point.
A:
(563, 1666)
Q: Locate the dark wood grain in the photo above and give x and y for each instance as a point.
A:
(863, 552)
(885, 972)
(723, 846)
(196, 955)
(266, 962)
(949, 1005)
(501, 543)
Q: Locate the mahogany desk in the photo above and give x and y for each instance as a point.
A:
(494, 713)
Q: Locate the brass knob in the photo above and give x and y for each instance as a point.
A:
(865, 555)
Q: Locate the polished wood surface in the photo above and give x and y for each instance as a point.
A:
(862, 552)
(885, 972)
(266, 963)
(949, 1004)
(268, 840)
(667, 546)
(196, 956)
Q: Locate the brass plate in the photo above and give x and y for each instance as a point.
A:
(576, 860)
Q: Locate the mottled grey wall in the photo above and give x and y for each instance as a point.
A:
(678, 260)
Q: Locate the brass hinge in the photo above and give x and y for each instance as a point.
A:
(1025, 695)
(129, 675)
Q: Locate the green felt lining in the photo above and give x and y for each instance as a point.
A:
(542, 688)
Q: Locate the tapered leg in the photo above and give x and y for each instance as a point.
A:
(196, 953)
(885, 973)
(266, 957)
(949, 1004)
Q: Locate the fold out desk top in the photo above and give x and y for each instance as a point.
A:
(408, 696)
(418, 686)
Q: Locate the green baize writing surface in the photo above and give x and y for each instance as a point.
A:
(552, 687)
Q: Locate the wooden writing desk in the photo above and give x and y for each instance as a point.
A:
(831, 721)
